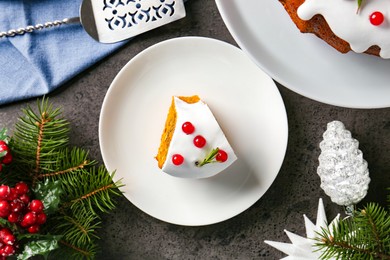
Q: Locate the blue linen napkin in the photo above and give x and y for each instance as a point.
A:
(35, 64)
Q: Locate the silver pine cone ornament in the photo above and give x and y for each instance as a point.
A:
(342, 169)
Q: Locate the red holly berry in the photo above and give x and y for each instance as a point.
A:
(24, 198)
(14, 217)
(177, 159)
(222, 156)
(376, 18)
(21, 188)
(188, 128)
(3, 146)
(33, 229)
(41, 218)
(5, 208)
(4, 191)
(9, 239)
(199, 141)
(29, 219)
(8, 250)
(17, 206)
(12, 195)
(3, 233)
(36, 206)
(7, 159)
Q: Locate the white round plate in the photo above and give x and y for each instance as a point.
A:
(303, 62)
(245, 102)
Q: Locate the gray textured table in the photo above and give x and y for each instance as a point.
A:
(128, 233)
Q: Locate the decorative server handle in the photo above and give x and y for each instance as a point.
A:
(32, 28)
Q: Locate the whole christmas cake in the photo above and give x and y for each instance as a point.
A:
(360, 26)
(193, 144)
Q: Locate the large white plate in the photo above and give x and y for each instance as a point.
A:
(302, 62)
(244, 100)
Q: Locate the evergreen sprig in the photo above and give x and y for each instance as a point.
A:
(73, 188)
(39, 136)
(365, 235)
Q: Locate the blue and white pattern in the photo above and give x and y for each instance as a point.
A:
(127, 13)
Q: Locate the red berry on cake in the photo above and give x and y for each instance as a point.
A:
(199, 141)
(177, 159)
(376, 18)
(222, 156)
(188, 128)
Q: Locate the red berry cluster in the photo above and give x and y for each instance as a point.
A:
(7, 158)
(8, 243)
(200, 142)
(18, 208)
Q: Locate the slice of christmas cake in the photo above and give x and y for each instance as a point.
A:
(193, 144)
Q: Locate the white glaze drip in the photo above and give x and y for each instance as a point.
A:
(205, 124)
(355, 28)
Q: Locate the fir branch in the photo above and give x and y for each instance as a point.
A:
(78, 230)
(72, 169)
(67, 181)
(38, 137)
(67, 162)
(69, 251)
(97, 192)
(364, 236)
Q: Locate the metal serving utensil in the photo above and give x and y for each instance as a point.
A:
(110, 21)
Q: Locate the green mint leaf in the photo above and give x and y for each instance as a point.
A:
(49, 193)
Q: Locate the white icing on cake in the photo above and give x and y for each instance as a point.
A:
(205, 125)
(355, 28)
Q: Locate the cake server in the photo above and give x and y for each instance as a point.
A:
(110, 21)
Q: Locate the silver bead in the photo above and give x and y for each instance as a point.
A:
(20, 31)
(30, 28)
(11, 32)
(39, 26)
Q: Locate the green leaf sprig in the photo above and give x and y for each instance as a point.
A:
(210, 158)
(359, 2)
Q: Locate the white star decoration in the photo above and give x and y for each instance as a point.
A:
(302, 248)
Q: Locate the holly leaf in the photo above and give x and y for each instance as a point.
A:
(3, 135)
(49, 193)
(39, 247)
